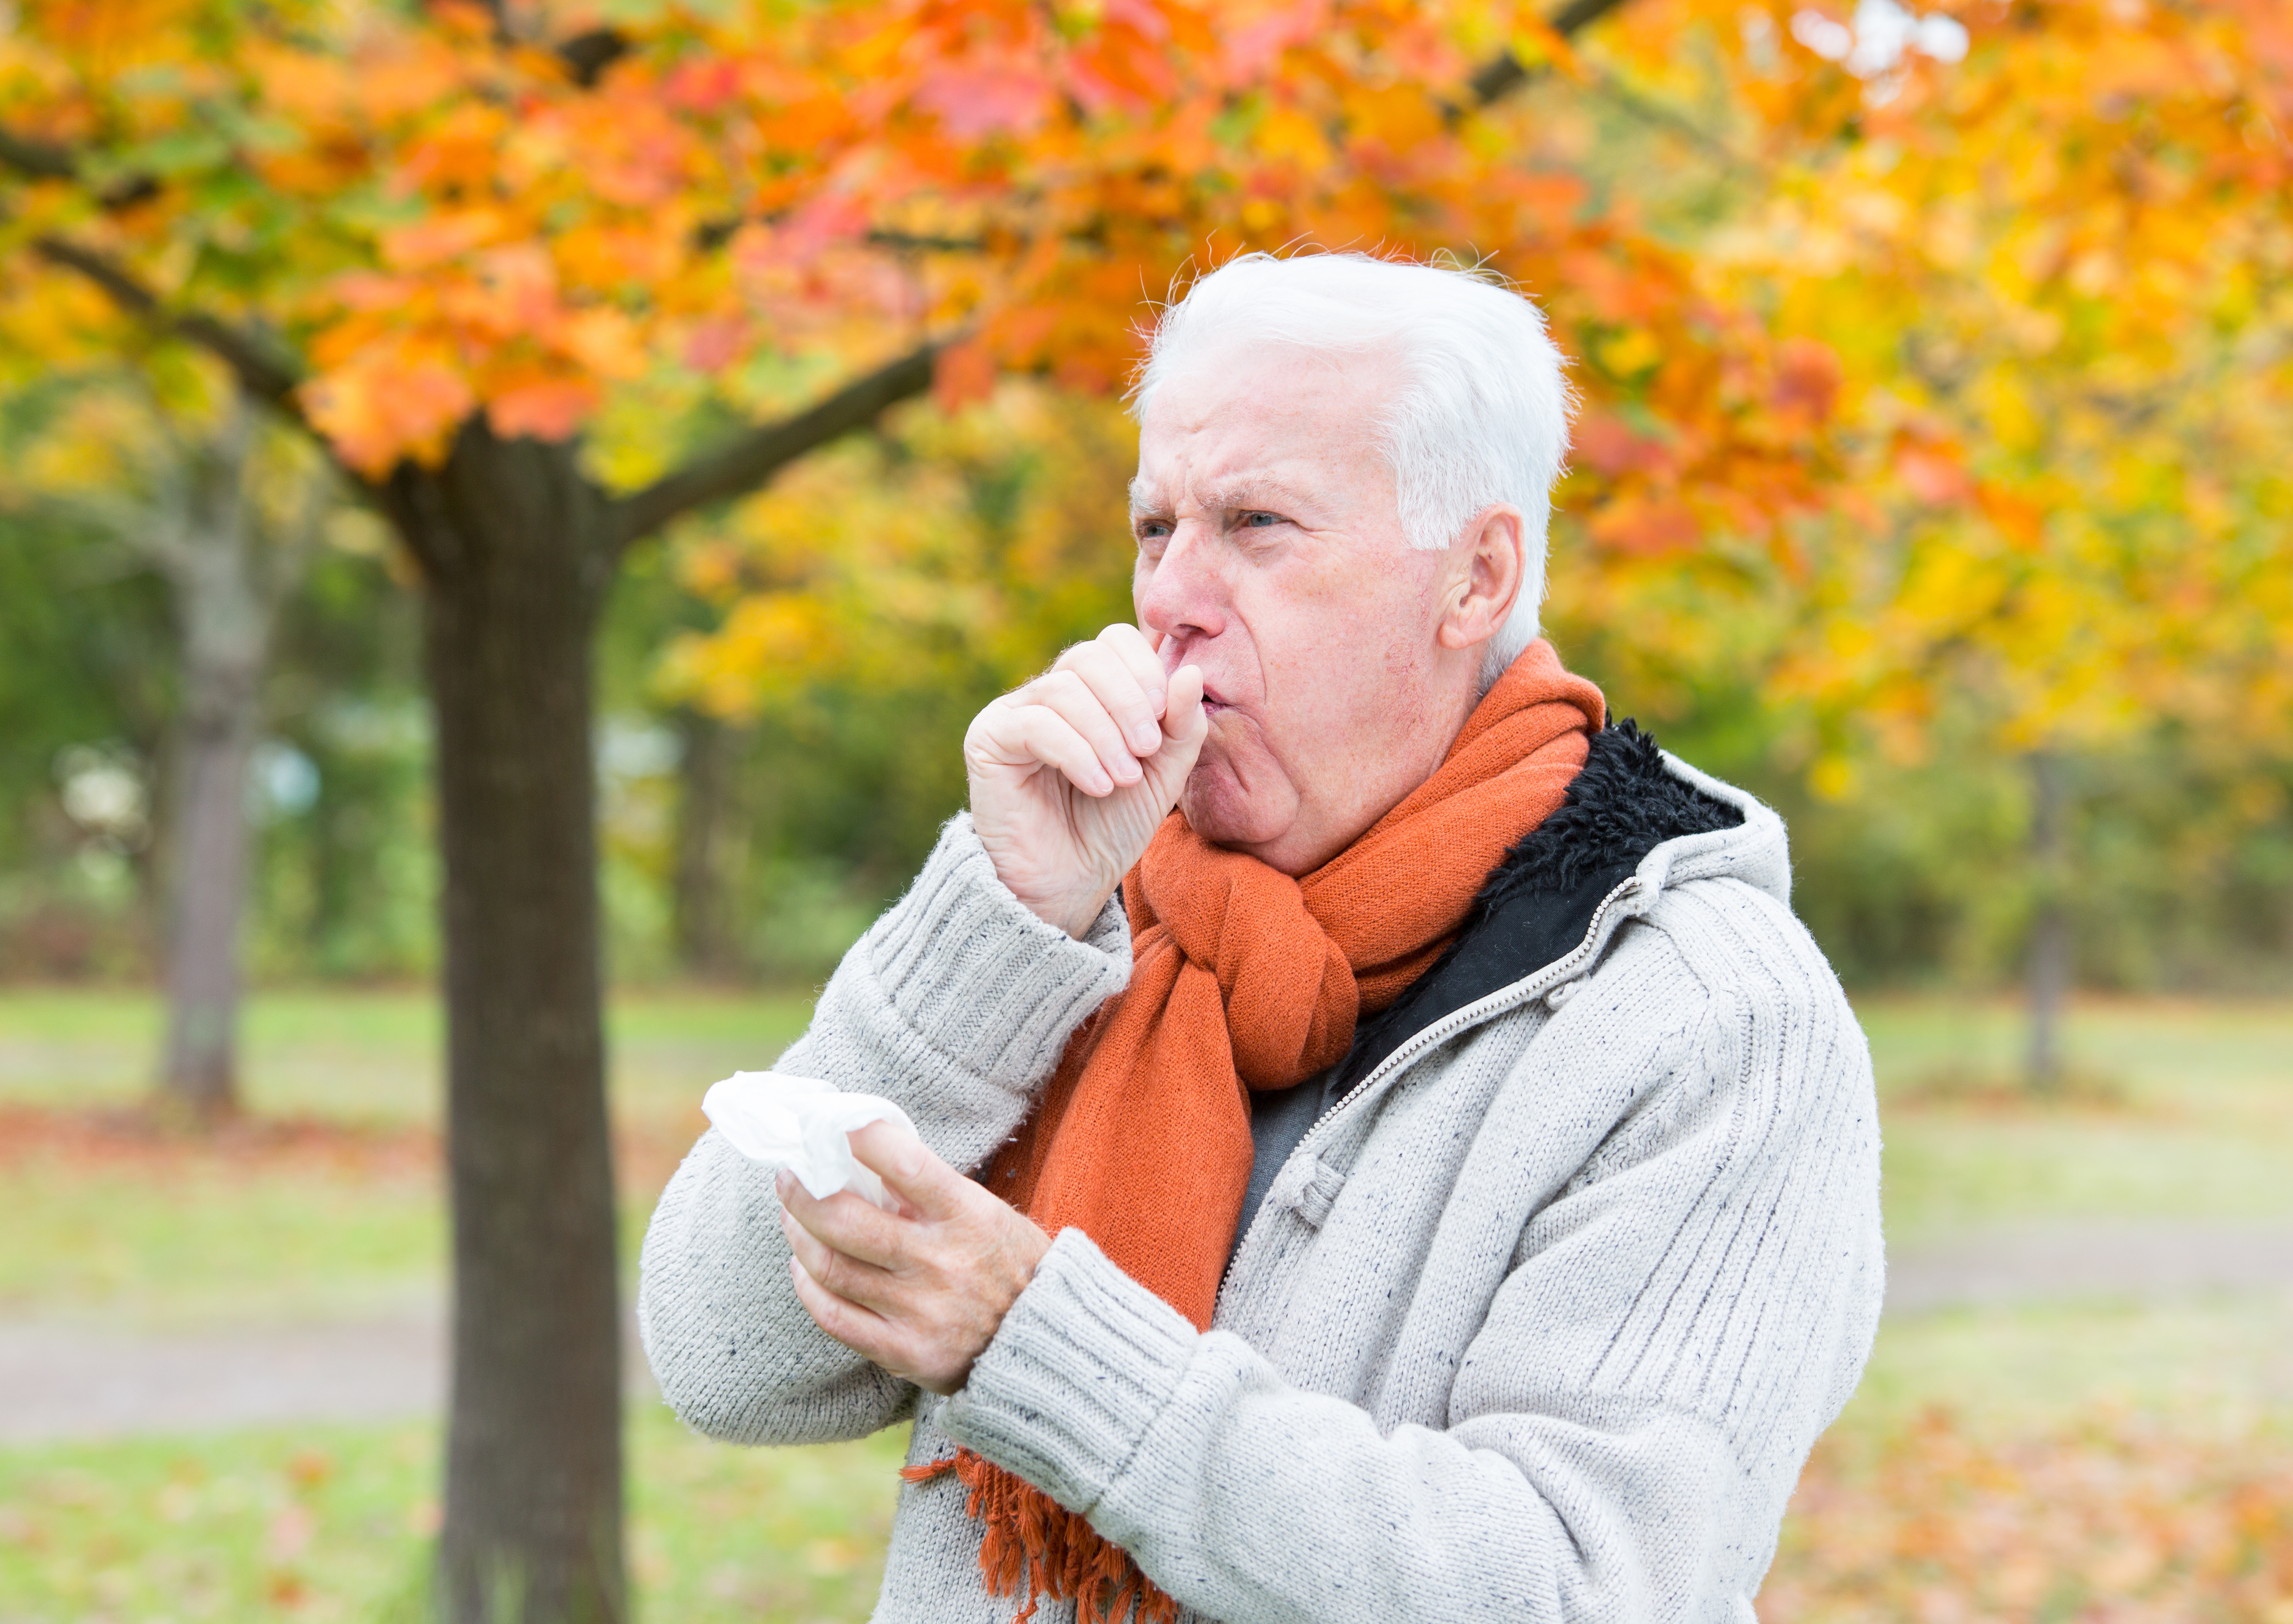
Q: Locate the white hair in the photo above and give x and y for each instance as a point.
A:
(1481, 417)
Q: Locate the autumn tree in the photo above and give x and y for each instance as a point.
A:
(2032, 259)
(2059, 275)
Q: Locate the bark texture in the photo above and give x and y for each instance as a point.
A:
(199, 1069)
(515, 547)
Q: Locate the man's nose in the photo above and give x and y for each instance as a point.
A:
(1182, 595)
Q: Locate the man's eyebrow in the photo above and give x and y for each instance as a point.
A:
(1251, 492)
(1247, 492)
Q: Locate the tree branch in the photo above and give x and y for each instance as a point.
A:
(42, 160)
(1506, 74)
(263, 376)
(736, 469)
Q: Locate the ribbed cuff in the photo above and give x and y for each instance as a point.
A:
(1083, 1364)
(978, 976)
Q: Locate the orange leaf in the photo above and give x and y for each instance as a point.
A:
(962, 373)
(1646, 527)
(544, 408)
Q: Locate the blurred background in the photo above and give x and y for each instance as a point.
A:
(1930, 481)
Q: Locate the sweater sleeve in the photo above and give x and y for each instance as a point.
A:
(1623, 1429)
(956, 1005)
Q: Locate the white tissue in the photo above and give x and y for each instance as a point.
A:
(802, 1125)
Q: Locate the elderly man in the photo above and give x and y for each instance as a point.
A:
(1428, 1175)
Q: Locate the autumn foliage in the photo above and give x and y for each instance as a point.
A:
(2120, 1518)
(2054, 275)
(450, 210)
(1984, 355)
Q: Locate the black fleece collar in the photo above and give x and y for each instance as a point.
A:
(1538, 902)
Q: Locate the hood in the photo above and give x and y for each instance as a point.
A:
(1634, 812)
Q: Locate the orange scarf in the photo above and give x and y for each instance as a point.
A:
(1243, 977)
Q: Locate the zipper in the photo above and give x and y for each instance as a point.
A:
(1490, 1006)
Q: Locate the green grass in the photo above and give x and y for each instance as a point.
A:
(2007, 1372)
(214, 1242)
(2202, 1125)
(221, 1236)
(334, 1522)
(370, 1057)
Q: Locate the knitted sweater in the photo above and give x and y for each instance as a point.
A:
(1538, 1323)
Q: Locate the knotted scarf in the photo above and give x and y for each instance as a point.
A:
(1243, 977)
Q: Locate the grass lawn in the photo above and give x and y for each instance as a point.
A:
(273, 1223)
(333, 1522)
(2002, 1463)
(2197, 1122)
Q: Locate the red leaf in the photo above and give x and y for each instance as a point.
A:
(1807, 378)
(1933, 475)
(1612, 448)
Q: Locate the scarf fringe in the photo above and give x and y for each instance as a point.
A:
(1034, 1548)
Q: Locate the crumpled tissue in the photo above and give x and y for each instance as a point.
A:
(801, 1124)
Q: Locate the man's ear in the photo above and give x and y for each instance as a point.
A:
(1487, 573)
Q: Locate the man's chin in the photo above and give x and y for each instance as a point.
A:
(1222, 812)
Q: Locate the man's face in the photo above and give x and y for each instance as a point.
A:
(1271, 555)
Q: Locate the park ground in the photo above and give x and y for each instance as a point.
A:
(2081, 1406)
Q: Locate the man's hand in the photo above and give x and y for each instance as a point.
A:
(921, 1291)
(1072, 774)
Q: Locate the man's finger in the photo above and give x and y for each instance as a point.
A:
(1025, 737)
(1069, 695)
(845, 1222)
(863, 1331)
(1129, 646)
(1044, 735)
(910, 1169)
(1131, 703)
(848, 1277)
(1184, 720)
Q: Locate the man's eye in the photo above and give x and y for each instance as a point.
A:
(1153, 529)
(1259, 521)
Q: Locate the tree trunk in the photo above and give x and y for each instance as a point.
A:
(202, 535)
(512, 544)
(2050, 921)
(707, 768)
(222, 707)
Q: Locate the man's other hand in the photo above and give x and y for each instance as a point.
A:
(920, 1291)
(1072, 774)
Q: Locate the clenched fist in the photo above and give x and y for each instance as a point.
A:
(1072, 774)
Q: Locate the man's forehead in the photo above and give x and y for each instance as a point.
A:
(1263, 427)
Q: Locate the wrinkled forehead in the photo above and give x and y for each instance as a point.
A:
(1231, 428)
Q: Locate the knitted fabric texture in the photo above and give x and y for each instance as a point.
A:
(1242, 976)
